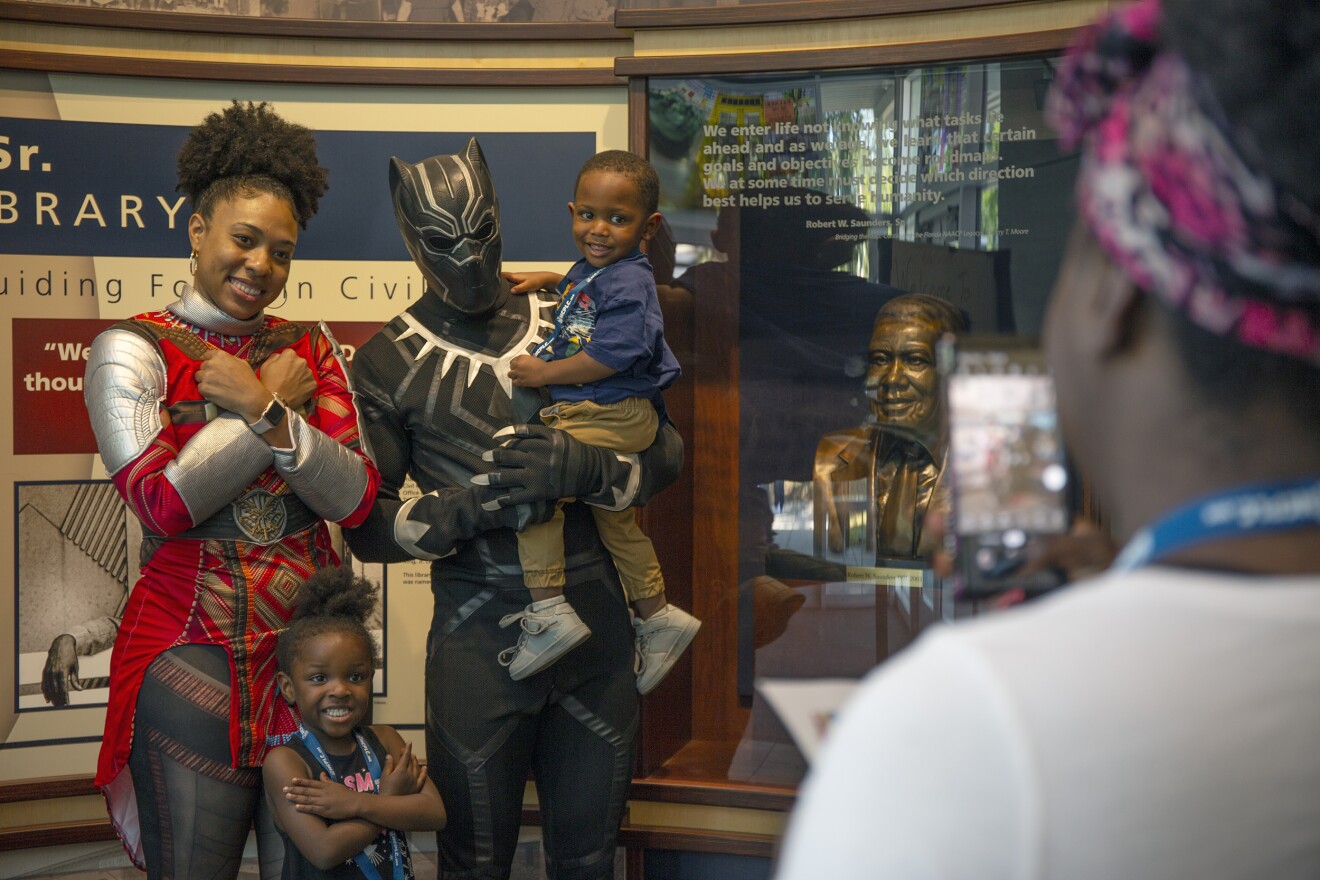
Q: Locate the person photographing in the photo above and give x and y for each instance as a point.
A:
(1159, 719)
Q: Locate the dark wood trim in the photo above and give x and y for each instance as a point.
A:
(697, 794)
(713, 794)
(639, 127)
(791, 11)
(46, 788)
(630, 836)
(858, 56)
(718, 716)
(689, 840)
(634, 867)
(56, 834)
(55, 62)
(252, 25)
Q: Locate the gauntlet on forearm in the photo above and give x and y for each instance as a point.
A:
(328, 477)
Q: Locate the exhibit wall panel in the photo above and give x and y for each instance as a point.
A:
(92, 231)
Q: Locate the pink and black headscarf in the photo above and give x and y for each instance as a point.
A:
(1165, 188)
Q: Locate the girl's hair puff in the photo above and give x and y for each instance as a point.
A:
(331, 600)
(247, 149)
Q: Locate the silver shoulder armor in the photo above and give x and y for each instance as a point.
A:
(342, 360)
(123, 389)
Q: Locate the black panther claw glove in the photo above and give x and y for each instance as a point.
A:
(442, 520)
(540, 464)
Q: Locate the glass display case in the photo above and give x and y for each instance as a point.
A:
(799, 205)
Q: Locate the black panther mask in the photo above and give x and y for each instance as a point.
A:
(450, 220)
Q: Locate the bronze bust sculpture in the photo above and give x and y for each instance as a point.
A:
(875, 483)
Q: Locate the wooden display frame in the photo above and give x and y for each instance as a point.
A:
(687, 727)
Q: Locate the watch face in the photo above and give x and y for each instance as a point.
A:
(271, 416)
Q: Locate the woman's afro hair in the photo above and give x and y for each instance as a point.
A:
(248, 147)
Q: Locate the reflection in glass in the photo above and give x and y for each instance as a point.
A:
(876, 483)
(801, 206)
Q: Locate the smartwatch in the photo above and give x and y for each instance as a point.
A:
(270, 417)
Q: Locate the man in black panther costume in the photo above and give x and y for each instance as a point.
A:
(434, 390)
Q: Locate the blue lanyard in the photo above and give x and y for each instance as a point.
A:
(1247, 510)
(566, 303)
(362, 860)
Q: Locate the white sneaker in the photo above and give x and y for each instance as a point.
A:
(550, 629)
(661, 639)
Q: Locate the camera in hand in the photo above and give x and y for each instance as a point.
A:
(1006, 461)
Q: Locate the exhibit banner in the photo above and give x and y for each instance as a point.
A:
(92, 230)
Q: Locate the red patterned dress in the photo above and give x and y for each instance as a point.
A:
(224, 577)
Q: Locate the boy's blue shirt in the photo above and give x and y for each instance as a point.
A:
(617, 320)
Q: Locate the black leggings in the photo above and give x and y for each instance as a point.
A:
(572, 726)
(195, 810)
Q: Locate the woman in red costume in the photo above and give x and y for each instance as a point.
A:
(233, 436)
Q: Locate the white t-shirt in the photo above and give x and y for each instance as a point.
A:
(1158, 724)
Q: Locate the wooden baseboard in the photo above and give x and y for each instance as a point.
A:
(56, 834)
(631, 837)
(45, 788)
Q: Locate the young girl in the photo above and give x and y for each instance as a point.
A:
(337, 786)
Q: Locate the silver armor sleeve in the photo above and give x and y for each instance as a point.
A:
(123, 389)
(329, 477)
(217, 464)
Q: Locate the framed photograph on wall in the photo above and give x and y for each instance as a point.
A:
(76, 557)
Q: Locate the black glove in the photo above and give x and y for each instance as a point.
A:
(445, 519)
(539, 464)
